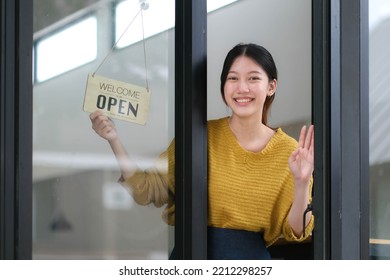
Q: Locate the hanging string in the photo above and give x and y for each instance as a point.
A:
(116, 43)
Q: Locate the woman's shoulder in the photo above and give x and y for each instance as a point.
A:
(217, 125)
(284, 139)
(217, 122)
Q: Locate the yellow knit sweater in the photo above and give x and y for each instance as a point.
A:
(246, 190)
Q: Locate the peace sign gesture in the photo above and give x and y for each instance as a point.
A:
(301, 161)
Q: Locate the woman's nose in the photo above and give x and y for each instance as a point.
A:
(243, 86)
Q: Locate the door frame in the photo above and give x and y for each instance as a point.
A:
(340, 115)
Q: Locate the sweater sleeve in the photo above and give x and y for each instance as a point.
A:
(287, 231)
(155, 185)
(290, 236)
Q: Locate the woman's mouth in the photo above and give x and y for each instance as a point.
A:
(243, 100)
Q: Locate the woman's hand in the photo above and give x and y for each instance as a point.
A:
(103, 126)
(301, 161)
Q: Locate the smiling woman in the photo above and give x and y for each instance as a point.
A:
(259, 178)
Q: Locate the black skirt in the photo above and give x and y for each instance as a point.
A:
(230, 244)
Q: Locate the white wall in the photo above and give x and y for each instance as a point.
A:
(284, 28)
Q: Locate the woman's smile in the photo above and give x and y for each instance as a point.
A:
(243, 100)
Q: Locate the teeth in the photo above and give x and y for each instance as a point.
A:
(243, 100)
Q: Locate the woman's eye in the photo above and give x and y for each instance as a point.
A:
(232, 78)
(254, 78)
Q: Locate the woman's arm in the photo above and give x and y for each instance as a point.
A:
(146, 186)
(301, 164)
(105, 128)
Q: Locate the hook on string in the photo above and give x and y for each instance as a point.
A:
(144, 4)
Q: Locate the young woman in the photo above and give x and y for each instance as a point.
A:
(259, 178)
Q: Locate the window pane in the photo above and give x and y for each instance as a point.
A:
(379, 126)
(80, 209)
(48, 12)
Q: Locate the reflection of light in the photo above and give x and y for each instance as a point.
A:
(84, 161)
(216, 4)
(160, 16)
(77, 44)
(379, 10)
(66, 50)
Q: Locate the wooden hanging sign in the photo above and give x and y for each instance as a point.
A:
(117, 99)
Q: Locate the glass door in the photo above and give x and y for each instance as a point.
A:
(379, 103)
(291, 109)
(80, 210)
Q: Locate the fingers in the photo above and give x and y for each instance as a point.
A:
(306, 138)
(97, 117)
(309, 137)
(95, 114)
(100, 122)
(301, 142)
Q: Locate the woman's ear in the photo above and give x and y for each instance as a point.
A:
(272, 87)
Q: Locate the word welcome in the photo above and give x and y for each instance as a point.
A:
(120, 90)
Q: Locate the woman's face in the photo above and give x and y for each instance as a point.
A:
(246, 88)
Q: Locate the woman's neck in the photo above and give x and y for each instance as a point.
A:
(251, 134)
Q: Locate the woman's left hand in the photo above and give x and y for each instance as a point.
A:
(301, 161)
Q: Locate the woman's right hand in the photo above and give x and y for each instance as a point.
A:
(103, 126)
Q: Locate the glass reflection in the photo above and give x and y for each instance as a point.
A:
(379, 98)
(80, 210)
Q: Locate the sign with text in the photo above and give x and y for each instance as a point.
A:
(117, 99)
